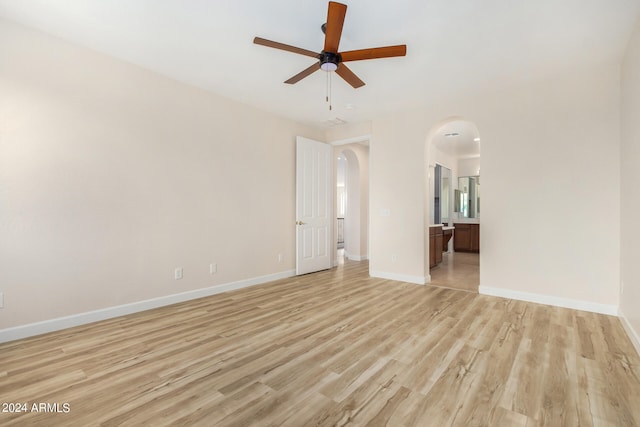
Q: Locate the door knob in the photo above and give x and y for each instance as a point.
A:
(300, 223)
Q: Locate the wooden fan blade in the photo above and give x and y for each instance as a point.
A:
(349, 76)
(373, 53)
(302, 74)
(282, 46)
(333, 30)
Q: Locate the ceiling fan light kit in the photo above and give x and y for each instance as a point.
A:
(330, 59)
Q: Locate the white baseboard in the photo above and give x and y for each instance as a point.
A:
(634, 335)
(352, 258)
(550, 300)
(60, 323)
(418, 280)
(356, 257)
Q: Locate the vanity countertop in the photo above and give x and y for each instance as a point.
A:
(467, 220)
(444, 227)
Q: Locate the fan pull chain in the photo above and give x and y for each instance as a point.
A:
(330, 106)
(328, 96)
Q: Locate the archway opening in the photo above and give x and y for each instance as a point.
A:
(341, 200)
(453, 204)
(352, 201)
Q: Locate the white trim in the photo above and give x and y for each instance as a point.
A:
(634, 336)
(550, 300)
(352, 140)
(356, 257)
(418, 280)
(59, 323)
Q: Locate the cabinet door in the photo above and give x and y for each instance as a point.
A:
(432, 250)
(438, 247)
(475, 238)
(462, 238)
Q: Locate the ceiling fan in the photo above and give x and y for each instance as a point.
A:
(330, 59)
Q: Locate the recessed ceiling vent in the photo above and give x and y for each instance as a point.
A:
(335, 122)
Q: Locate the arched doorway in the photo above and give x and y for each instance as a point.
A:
(453, 200)
(352, 206)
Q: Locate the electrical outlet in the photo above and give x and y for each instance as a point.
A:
(177, 274)
(394, 258)
(1, 300)
(280, 257)
(213, 268)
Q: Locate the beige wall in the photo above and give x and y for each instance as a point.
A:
(112, 176)
(630, 180)
(550, 187)
(398, 187)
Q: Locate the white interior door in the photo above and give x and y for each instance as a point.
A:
(314, 205)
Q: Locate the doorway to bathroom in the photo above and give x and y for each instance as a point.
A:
(453, 205)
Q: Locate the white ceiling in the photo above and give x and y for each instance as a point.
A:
(452, 46)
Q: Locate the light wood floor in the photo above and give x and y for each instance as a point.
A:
(458, 270)
(333, 348)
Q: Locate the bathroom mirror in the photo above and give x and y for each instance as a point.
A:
(441, 194)
(468, 197)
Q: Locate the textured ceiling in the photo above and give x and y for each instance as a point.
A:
(452, 46)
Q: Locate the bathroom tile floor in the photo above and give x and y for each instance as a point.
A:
(458, 270)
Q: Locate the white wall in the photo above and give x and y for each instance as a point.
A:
(469, 167)
(112, 176)
(630, 188)
(550, 187)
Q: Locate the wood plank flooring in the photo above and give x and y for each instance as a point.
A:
(334, 348)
